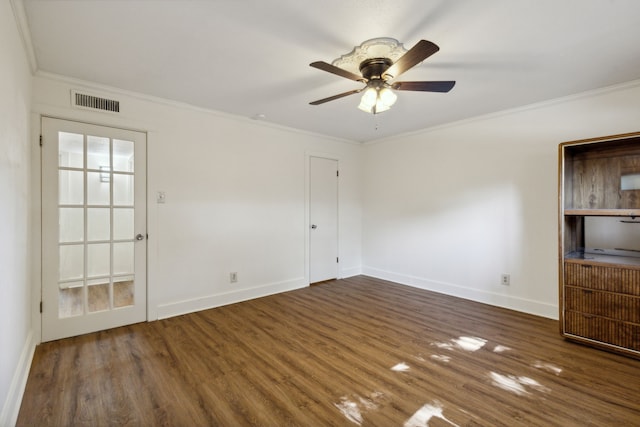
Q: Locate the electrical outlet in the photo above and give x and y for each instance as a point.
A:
(233, 277)
(505, 279)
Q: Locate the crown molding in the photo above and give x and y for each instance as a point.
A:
(534, 106)
(20, 16)
(105, 90)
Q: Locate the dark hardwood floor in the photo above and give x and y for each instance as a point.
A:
(357, 351)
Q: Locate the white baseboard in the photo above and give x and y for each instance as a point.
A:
(350, 272)
(486, 297)
(11, 406)
(211, 301)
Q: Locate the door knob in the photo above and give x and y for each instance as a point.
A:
(139, 237)
(313, 226)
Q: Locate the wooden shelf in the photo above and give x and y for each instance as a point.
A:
(603, 212)
(600, 283)
(580, 257)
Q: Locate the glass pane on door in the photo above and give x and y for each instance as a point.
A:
(98, 259)
(122, 156)
(71, 150)
(123, 258)
(98, 296)
(71, 224)
(98, 153)
(98, 224)
(71, 262)
(71, 300)
(123, 292)
(98, 190)
(71, 187)
(123, 223)
(122, 189)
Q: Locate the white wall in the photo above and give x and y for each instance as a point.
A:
(16, 339)
(235, 198)
(447, 209)
(450, 209)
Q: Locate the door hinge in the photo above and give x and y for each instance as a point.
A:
(40, 306)
(337, 259)
(337, 173)
(40, 140)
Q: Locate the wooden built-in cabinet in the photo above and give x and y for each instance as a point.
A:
(599, 234)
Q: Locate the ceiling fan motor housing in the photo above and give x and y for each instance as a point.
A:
(374, 68)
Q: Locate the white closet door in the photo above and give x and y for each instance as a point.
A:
(323, 219)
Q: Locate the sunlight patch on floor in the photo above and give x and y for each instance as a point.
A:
(470, 343)
(517, 385)
(352, 409)
(441, 358)
(423, 415)
(501, 349)
(508, 382)
(444, 345)
(548, 367)
(463, 343)
(400, 367)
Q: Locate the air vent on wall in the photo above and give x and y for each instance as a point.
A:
(84, 100)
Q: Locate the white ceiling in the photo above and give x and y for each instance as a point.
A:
(251, 57)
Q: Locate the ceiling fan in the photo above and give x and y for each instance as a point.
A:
(378, 72)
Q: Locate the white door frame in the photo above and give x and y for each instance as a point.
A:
(307, 211)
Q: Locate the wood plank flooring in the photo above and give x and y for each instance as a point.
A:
(358, 351)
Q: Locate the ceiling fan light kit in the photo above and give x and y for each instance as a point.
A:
(377, 99)
(379, 61)
(378, 96)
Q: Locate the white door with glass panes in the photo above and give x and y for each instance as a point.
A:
(93, 228)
